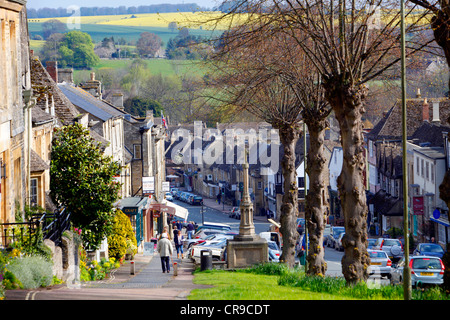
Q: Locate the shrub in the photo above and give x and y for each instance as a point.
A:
(32, 271)
(122, 232)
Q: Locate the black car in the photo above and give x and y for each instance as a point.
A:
(197, 200)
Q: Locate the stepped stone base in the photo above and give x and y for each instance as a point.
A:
(245, 251)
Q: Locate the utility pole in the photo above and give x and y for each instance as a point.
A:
(406, 269)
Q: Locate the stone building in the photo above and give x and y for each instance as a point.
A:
(15, 109)
(145, 139)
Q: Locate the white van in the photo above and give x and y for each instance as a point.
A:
(271, 236)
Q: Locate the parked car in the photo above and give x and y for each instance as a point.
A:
(380, 263)
(201, 235)
(429, 249)
(271, 236)
(216, 250)
(371, 243)
(169, 196)
(333, 236)
(425, 270)
(338, 243)
(173, 191)
(214, 225)
(209, 241)
(197, 200)
(274, 251)
(233, 211)
(326, 232)
(300, 225)
(393, 247)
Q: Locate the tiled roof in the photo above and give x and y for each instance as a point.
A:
(37, 164)
(390, 127)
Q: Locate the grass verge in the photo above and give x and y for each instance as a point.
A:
(277, 282)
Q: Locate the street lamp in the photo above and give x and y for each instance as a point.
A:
(406, 269)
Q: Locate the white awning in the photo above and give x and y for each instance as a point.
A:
(179, 210)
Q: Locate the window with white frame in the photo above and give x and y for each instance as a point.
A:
(34, 192)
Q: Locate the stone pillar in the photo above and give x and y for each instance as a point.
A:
(246, 227)
(246, 248)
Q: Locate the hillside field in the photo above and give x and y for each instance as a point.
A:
(130, 27)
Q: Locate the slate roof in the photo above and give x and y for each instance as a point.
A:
(431, 133)
(84, 100)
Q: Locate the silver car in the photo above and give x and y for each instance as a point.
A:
(424, 270)
(380, 263)
(393, 247)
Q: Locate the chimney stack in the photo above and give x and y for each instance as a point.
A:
(52, 69)
(65, 75)
(117, 100)
(94, 87)
(436, 118)
(425, 111)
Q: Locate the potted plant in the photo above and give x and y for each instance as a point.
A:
(131, 250)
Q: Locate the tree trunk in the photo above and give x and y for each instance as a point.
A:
(316, 199)
(440, 24)
(289, 208)
(347, 104)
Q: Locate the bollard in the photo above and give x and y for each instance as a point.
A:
(175, 269)
(132, 268)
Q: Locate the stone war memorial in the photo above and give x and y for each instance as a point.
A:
(246, 248)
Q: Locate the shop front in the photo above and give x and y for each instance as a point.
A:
(158, 215)
(134, 208)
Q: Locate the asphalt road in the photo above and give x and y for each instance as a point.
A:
(213, 215)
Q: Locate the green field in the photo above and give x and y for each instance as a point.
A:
(130, 33)
(155, 66)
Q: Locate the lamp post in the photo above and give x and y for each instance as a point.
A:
(406, 269)
(306, 192)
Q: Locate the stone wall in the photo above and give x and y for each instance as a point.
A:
(66, 259)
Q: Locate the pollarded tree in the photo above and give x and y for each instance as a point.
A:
(266, 75)
(82, 181)
(349, 43)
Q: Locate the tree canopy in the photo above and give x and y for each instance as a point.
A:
(74, 49)
(82, 180)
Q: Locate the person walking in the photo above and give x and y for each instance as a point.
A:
(178, 239)
(190, 230)
(165, 250)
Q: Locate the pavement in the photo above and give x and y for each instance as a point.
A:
(147, 282)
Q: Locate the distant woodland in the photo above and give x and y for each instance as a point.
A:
(100, 11)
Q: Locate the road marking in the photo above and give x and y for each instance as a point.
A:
(31, 295)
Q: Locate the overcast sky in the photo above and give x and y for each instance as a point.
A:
(36, 4)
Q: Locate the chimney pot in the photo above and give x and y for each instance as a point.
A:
(418, 95)
(425, 111)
